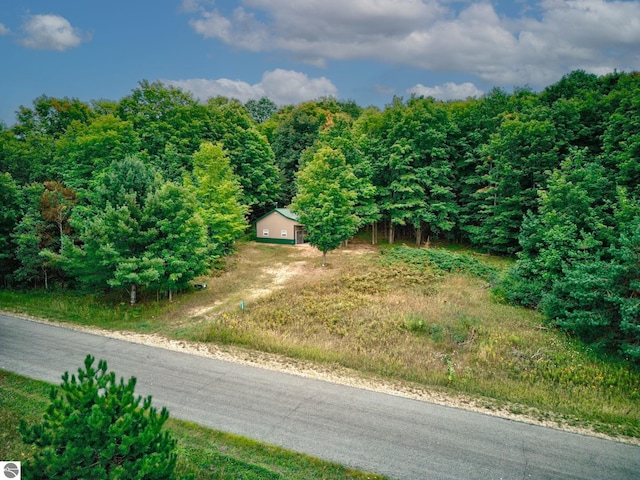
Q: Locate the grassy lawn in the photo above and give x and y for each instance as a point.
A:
(202, 453)
(426, 319)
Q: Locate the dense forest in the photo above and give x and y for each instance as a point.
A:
(144, 194)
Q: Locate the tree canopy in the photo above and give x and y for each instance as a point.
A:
(550, 178)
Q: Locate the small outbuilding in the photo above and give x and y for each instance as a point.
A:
(280, 225)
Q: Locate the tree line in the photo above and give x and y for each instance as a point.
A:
(146, 192)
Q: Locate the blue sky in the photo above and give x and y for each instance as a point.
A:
(292, 51)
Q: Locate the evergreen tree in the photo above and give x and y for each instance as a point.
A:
(626, 279)
(126, 231)
(181, 237)
(31, 266)
(599, 300)
(574, 223)
(96, 428)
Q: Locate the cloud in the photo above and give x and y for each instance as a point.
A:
(447, 91)
(4, 30)
(284, 87)
(241, 30)
(535, 47)
(50, 32)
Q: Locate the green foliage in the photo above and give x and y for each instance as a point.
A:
(438, 261)
(340, 134)
(10, 214)
(87, 149)
(181, 237)
(218, 194)
(163, 115)
(261, 110)
(574, 223)
(297, 130)
(411, 157)
(97, 428)
(138, 231)
(513, 167)
(326, 199)
(30, 265)
(599, 301)
(250, 156)
(551, 177)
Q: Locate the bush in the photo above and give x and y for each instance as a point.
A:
(440, 261)
(98, 429)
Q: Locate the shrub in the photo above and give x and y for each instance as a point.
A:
(440, 261)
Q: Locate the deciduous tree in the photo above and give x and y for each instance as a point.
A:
(218, 193)
(326, 200)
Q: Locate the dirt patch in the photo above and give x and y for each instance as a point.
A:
(275, 277)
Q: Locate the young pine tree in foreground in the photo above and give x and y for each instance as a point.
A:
(96, 428)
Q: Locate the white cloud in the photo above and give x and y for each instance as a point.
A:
(241, 30)
(284, 87)
(536, 48)
(203, 88)
(447, 91)
(287, 87)
(50, 32)
(4, 30)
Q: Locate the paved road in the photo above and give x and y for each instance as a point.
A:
(397, 437)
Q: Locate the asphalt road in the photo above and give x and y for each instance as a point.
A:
(385, 434)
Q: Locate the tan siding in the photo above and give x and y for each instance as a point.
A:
(276, 223)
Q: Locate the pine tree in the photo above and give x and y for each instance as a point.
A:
(96, 428)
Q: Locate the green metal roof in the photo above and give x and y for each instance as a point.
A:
(285, 212)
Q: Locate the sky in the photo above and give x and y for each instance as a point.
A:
(292, 51)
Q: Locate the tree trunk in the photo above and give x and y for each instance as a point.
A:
(418, 235)
(324, 259)
(133, 294)
(390, 233)
(374, 233)
(170, 295)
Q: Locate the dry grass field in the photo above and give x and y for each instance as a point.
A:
(405, 326)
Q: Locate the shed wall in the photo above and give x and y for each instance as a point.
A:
(277, 226)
